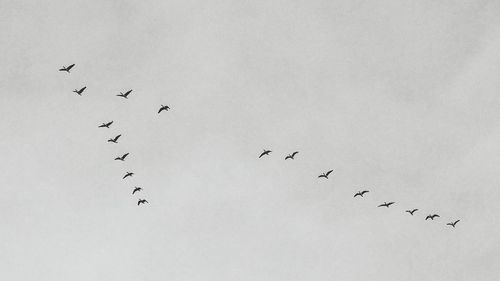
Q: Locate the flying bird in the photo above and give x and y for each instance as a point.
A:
(266, 152)
(122, 158)
(128, 174)
(136, 189)
(163, 107)
(325, 175)
(291, 156)
(115, 139)
(106, 125)
(67, 69)
(386, 204)
(431, 217)
(142, 201)
(361, 193)
(411, 211)
(79, 92)
(453, 223)
(124, 95)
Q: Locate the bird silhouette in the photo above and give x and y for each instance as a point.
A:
(142, 201)
(431, 217)
(128, 174)
(361, 193)
(325, 175)
(79, 92)
(122, 158)
(453, 223)
(125, 95)
(106, 125)
(291, 156)
(266, 152)
(411, 211)
(136, 189)
(67, 69)
(163, 107)
(386, 204)
(115, 139)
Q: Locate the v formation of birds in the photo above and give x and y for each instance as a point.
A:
(266, 152)
(115, 139)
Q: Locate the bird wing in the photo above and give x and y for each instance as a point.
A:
(70, 67)
(160, 110)
(102, 126)
(322, 176)
(295, 153)
(117, 137)
(329, 172)
(128, 92)
(124, 155)
(456, 221)
(288, 157)
(357, 194)
(83, 89)
(364, 191)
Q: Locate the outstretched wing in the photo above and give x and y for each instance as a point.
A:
(357, 194)
(124, 156)
(364, 191)
(329, 172)
(117, 137)
(295, 153)
(70, 67)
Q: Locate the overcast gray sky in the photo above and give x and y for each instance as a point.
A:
(399, 97)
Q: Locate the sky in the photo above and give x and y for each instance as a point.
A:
(398, 97)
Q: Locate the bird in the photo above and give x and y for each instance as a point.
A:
(453, 223)
(67, 69)
(122, 158)
(136, 189)
(142, 201)
(128, 174)
(124, 95)
(431, 217)
(325, 175)
(266, 152)
(386, 204)
(411, 211)
(361, 193)
(79, 92)
(163, 107)
(115, 139)
(291, 156)
(106, 125)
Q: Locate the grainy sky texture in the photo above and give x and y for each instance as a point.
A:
(399, 97)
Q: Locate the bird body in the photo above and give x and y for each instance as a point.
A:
(136, 189)
(128, 174)
(325, 175)
(266, 152)
(361, 193)
(124, 95)
(115, 139)
(142, 201)
(291, 156)
(67, 69)
(79, 92)
(432, 216)
(106, 125)
(453, 223)
(163, 107)
(122, 158)
(411, 211)
(386, 204)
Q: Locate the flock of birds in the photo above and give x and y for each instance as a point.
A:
(291, 156)
(115, 139)
(325, 175)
